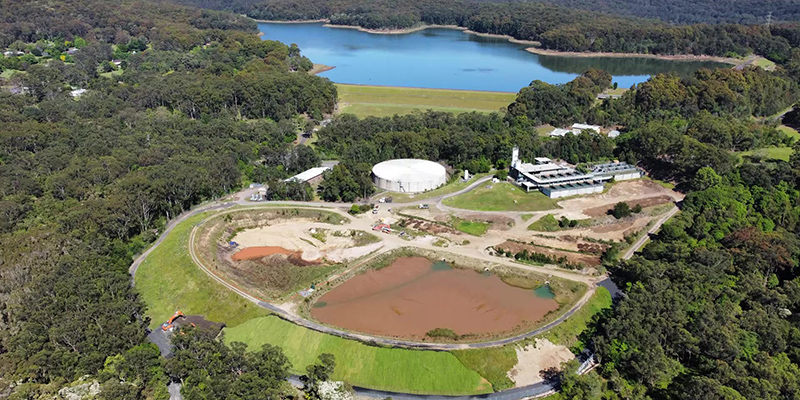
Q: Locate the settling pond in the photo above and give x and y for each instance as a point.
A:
(450, 59)
(414, 295)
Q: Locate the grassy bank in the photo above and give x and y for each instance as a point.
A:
(168, 280)
(501, 197)
(772, 153)
(381, 101)
(566, 333)
(403, 370)
(446, 189)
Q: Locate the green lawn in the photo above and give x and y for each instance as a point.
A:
(446, 189)
(492, 363)
(381, 101)
(566, 333)
(475, 228)
(544, 130)
(6, 74)
(789, 131)
(501, 197)
(413, 371)
(116, 72)
(547, 223)
(775, 153)
(168, 280)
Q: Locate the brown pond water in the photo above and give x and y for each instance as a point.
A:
(413, 296)
(251, 253)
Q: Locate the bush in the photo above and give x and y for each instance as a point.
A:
(621, 210)
(502, 175)
(442, 333)
(637, 208)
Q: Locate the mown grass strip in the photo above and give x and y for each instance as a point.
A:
(413, 371)
(501, 197)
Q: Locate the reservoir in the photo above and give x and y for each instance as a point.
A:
(451, 59)
(414, 295)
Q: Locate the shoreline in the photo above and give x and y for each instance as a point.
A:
(534, 45)
(320, 68)
(402, 31)
(422, 88)
(674, 57)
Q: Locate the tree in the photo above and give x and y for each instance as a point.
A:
(621, 210)
(317, 373)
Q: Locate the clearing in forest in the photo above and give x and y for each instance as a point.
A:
(383, 101)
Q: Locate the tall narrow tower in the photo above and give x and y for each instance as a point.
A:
(514, 156)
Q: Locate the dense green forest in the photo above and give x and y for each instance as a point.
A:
(198, 106)
(555, 27)
(87, 182)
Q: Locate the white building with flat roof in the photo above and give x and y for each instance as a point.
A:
(312, 175)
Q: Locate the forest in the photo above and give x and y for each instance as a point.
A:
(746, 12)
(88, 181)
(555, 26)
(199, 106)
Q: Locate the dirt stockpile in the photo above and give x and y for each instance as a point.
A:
(413, 296)
(645, 202)
(572, 258)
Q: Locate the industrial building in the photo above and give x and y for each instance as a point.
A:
(312, 175)
(575, 129)
(408, 175)
(555, 180)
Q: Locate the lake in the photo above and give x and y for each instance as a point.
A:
(450, 59)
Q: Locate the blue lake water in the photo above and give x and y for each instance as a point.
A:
(451, 59)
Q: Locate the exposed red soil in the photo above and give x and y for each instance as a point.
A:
(612, 227)
(574, 258)
(409, 298)
(645, 202)
(252, 253)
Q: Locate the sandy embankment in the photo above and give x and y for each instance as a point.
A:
(675, 57)
(295, 236)
(531, 360)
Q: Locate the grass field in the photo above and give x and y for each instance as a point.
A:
(492, 363)
(168, 281)
(789, 131)
(501, 197)
(775, 153)
(566, 333)
(446, 189)
(382, 101)
(411, 371)
(475, 228)
(116, 72)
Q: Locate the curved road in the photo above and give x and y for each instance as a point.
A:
(535, 390)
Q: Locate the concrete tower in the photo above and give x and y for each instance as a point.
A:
(515, 156)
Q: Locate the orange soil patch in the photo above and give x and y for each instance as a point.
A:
(573, 258)
(645, 202)
(410, 297)
(252, 253)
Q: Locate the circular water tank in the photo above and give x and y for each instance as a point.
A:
(408, 175)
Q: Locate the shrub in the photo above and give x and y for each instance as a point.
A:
(621, 210)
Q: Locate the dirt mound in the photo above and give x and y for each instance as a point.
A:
(588, 260)
(645, 202)
(427, 226)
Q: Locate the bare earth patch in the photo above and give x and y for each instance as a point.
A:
(298, 236)
(574, 258)
(632, 192)
(531, 360)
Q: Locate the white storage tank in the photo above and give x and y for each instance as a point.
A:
(408, 175)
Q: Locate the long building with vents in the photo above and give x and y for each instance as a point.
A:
(556, 180)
